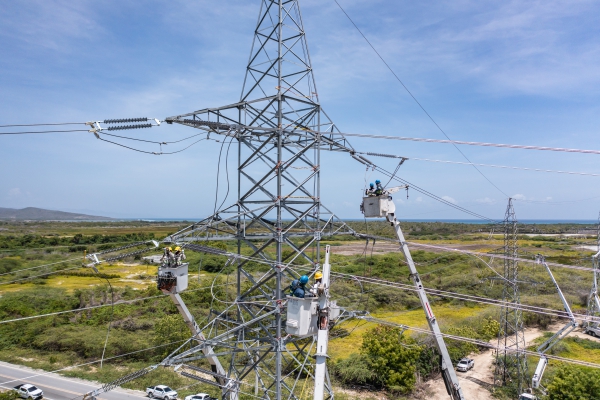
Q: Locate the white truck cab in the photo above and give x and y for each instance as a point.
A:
(27, 391)
(161, 392)
(527, 396)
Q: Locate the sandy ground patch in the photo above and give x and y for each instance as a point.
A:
(477, 382)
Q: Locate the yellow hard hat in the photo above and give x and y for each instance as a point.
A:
(177, 248)
(168, 248)
(318, 275)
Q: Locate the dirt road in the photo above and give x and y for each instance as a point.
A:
(476, 383)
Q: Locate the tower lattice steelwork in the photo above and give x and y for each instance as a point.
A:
(279, 129)
(593, 306)
(511, 363)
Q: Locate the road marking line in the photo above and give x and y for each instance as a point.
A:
(9, 388)
(51, 387)
(48, 374)
(53, 375)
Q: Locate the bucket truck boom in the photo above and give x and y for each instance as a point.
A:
(322, 329)
(557, 337)
(383, 206)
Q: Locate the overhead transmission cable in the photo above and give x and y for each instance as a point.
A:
(40, 275)
(39, 266)
(454, 295)
(481, 165)
(105, 305)
(491, 346)
(57, 123)
(433, 196)
(484, 144)
(91, 362)
(500, 256)
(29, 132)
(415, 99)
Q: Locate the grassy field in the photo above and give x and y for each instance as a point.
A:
(77, 337)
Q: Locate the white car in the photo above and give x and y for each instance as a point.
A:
(28, 391)
(199, 396)
(161, 392)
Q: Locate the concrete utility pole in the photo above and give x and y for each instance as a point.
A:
(511, 363)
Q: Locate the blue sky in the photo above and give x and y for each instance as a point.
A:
(505, 72)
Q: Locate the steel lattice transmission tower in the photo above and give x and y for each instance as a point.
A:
(511, 363)
(278, 219)
(593, 306)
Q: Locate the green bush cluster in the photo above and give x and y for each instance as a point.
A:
(570, 383)
(387, 359)
(9, 395)
(34, 241)
(82, 334)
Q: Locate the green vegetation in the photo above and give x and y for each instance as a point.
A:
(9, 395)
(363, 355)
(574, 383)
(387, 359)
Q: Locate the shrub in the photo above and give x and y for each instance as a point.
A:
(8, 264)
(460, 349)
(489, 329)
(572, 382)
(354, 370)
(392, 357)
(9, 395)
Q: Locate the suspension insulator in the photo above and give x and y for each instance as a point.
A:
(120, 121)
(120, 128)
(383, 155)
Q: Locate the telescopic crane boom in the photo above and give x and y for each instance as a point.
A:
(172, 279)
(383, 206)
(558, 336)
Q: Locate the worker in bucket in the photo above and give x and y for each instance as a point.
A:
(179, 255)
(379, 189)
(295, 283)
(318, 281)
(371, 190)
(298, 286)
(167, 256)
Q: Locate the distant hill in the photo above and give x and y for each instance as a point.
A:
(39, 214)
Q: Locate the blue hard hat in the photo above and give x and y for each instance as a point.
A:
(371, 184)
(304, 279)
(377, 181)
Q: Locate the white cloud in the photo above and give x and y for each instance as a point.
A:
(14, 192)
(510, 47)
(486, 200)
(51, 24)
(449, 199)
(419, 199)
(519, 197)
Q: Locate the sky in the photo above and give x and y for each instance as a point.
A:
(502, 72)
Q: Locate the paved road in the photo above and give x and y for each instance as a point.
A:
(57, 387)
